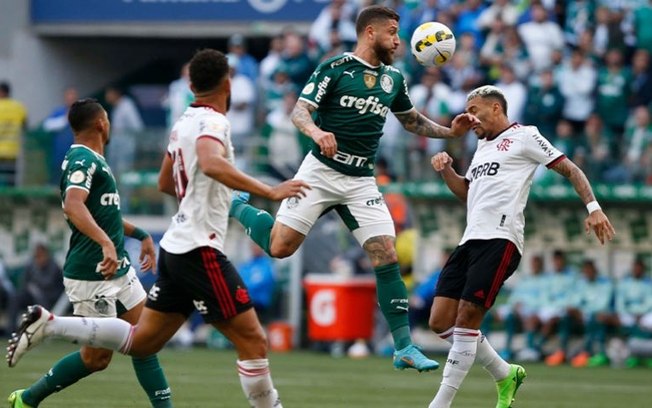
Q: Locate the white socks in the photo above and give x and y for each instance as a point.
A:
(460, 359)
(105, 332)
(486, 356)
(490, 360)
(257, 384)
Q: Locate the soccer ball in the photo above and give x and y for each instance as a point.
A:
(432, 44)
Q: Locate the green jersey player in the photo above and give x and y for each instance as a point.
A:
(349, 97)
(98, 276)
(87, 170)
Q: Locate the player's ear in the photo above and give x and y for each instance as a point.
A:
(100, 124)
(369, 32)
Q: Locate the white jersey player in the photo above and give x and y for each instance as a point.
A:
(204, 202)
(499, 178)
(495, 190)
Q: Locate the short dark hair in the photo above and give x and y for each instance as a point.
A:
(83, 112)
(208, 67)
(5, 88)
(373, 14)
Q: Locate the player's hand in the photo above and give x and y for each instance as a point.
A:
(147, 255)
(109, 264)
(441, 161)
(599, 223)
(289, 188)
(326, 142)
(462, 123)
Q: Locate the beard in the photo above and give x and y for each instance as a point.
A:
(480, 133)
(228, 102)
(384, 54)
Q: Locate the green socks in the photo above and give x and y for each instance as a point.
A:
(65, 372)
(393, 300)
(257, 223)
(71, 369)
(152, 380)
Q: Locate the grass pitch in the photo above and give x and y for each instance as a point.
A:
(208, 378)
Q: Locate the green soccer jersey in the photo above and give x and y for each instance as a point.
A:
(353, 99)
(87, 170)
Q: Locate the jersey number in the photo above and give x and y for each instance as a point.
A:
(179, 174)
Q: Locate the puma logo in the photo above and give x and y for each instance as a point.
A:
(349, 73)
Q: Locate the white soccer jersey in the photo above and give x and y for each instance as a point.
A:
(500, 176)
(203, 202)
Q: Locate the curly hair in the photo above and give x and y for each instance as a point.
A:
(208, 67)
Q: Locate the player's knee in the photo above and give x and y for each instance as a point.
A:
(469, 315)
(281, 250)
(253, 346)
(96, 360)
(437, 324)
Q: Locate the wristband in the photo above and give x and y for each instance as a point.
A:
(139, 234)
(593, 206)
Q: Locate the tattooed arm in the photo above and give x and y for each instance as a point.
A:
(596, 220)
(577, 178)
(302, 118)
(416, 122)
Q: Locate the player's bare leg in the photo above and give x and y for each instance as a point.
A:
(276, 239)
(248, 337)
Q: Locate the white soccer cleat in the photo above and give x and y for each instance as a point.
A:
(31, 333)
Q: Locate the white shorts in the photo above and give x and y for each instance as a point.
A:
(99, 298)
(356, 199)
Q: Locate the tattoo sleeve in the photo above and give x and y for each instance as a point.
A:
(416, 122)
(380, 250)
(577, 178)
(302, 117)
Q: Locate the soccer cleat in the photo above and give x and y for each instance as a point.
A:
(580, 360)
(16, 400)
(30, 333)
(507, 387)
(631, 362)
(598, 360)
(412, 357)
(556, 358)
(240, 196)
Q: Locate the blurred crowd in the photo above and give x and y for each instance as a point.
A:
(580, 70)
